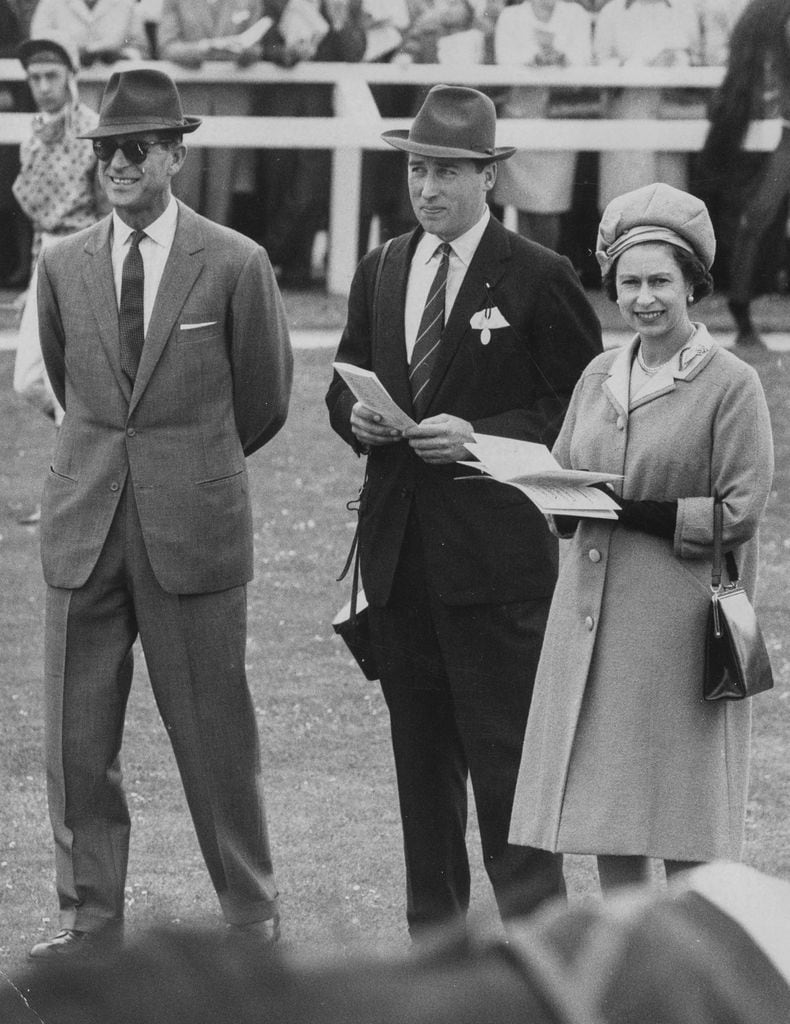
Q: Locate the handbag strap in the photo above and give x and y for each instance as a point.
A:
(377, 281)
(729, 558)
(353, 553)
(355, 574)
(353, 558)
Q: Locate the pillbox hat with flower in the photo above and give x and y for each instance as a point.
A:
(655, 213)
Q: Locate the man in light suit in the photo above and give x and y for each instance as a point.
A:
(458, 574)
(165, 340)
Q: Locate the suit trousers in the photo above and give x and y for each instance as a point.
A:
(194, 647)
(458, 681)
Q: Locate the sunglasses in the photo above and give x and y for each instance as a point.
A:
(135, 151)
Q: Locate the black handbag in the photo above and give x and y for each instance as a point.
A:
(351, 622)
(736, 658)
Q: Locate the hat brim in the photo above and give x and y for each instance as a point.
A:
(400, 140)
(103, 131)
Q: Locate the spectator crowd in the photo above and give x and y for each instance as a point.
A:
(281, 197)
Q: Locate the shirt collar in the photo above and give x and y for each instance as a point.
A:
(162, 230)
(464, 246)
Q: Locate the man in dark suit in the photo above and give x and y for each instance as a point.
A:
(165, 340)
(458, 574)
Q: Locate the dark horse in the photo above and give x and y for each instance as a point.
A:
(683, 957)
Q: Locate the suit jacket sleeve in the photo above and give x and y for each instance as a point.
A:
(50, 329)
(354, 348)
(561, 334)
(261, 354)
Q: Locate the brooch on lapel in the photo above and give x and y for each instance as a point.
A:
(487, 319)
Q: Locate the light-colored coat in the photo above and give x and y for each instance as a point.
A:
(213, 386)
(621, 754)
(538, 181)
(185, 22)
(109, 25)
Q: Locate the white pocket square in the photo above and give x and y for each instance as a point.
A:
(195, 327)
(490, 318)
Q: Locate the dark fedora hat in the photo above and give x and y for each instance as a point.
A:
(141, 100)
(454, 121)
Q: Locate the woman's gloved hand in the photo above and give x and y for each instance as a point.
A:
(658, 518)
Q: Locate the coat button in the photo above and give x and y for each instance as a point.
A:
(595, 555)
(130, 432)
(114, 486)
(589, 622)
(621, 422)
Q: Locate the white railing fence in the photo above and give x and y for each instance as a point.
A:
(356, 124)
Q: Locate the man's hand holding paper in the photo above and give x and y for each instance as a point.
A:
(371, 428)
(375, 417)
(440, 439)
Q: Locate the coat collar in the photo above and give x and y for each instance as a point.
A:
(483, 274)
(617, 384)
(97, 276)
(184, 265)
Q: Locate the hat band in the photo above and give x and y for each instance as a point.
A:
(456, 144)
(637, 235)
(142, 118)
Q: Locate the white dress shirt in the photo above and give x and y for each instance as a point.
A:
(424, 264)
(154, 248)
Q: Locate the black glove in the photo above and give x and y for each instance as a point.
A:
(566, 525)
(658, 518)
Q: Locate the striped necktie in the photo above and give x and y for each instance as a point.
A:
(130, 320)
(429, 333)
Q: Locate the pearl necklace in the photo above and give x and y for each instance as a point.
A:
(651, 371)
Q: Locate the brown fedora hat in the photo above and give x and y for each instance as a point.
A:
(141, 100)
(454, 121)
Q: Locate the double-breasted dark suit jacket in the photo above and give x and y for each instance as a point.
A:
(213, 385)
(484, 542)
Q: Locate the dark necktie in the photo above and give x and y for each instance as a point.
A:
(429, 333)
(130, 321)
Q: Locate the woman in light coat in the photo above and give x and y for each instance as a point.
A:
(644, 33)
(539, 183)
(622, 757)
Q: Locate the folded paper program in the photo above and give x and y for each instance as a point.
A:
(369, 390)
(533, 470)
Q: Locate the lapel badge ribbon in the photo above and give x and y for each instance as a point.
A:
(487, 320)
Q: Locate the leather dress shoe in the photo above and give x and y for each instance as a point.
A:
(266, 933)
(68, 942)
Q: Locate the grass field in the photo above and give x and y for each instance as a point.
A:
(330, 785)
